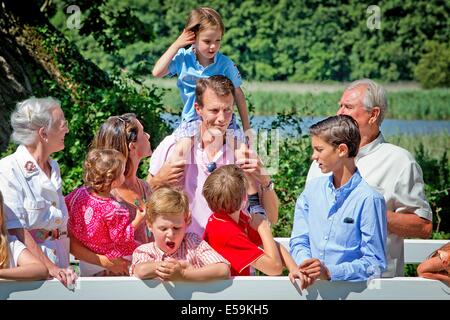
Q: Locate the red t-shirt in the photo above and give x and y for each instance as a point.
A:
(238, 243)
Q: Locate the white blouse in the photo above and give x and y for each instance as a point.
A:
(33, 201)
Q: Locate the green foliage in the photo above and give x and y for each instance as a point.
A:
(436, 174)
(433, 69)
(294, 161)
(305, 40)
(88, 97)
(408, 104)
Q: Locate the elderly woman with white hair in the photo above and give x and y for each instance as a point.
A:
(32, 187)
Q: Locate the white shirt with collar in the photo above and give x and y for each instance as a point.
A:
(392, 171)
(33, 201)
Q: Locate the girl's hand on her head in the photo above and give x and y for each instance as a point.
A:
(187, 37)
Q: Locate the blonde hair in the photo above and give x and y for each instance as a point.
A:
(204, 18)
(101, 168)
(4, 250)
(167, 202)
(225, 189)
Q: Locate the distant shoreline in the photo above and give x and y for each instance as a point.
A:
(284, 86)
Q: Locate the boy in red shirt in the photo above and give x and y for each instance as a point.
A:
(236, 235)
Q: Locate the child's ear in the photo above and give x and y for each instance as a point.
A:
(343, 150)
(197, 107)
(188, 218)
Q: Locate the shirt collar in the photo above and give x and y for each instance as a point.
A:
(226, 217)
(344, 191)
(370, 147)
(30, 168)
(164, 255)
(27, 163)
(190, 50)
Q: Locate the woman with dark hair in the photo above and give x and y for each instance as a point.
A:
(125, 134)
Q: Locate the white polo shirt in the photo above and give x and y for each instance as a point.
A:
(392, 171)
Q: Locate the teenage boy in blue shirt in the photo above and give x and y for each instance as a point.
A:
(340, 225)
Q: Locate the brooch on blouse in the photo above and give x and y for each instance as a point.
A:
(30, 166)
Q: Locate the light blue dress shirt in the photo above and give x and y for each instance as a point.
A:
(189, 70)
(345, 228)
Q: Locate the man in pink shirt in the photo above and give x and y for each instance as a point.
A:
(212, 148)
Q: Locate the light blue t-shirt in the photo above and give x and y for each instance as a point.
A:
(345, 228)
(189, 70)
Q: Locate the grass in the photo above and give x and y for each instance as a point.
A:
(405, 101)
(435, 144)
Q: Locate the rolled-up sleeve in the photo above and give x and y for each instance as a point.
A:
(409, 192)
(299, 244)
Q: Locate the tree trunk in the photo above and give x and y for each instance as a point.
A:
(32, 51)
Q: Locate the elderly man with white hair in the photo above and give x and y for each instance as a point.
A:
(390, 169)
(32, 187)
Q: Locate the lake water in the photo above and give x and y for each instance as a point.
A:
(388, 127)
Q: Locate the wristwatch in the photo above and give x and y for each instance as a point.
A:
(269, 187)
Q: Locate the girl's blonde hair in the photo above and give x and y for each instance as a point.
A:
(167, 202)
(204, 18)
(4, 250)
(101, 168)
(225, 189)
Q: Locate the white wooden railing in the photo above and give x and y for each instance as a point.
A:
(240, 288)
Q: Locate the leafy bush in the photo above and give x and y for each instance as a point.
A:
(304, 40)
(433, 69)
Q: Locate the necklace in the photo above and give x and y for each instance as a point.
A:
(211, 165)
(136, 201)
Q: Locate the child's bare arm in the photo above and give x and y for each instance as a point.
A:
(147, 270)
(242, 108)
(161, 67)
(209, 272)
(434, 268)
(140, 215)
(270, 262)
